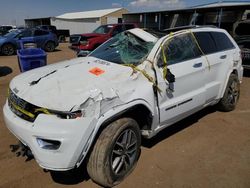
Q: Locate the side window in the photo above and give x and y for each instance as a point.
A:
(52, 28)
(23, 34)
(178, 49)
(117, 29)
(129, 26)
(40, 33)
(206, 42)
(222, 41)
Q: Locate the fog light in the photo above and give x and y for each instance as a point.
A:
(48, 144)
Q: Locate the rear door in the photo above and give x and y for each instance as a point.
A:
(187, 94)
(41, 37)
(218, 51)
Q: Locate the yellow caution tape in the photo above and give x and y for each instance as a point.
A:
(144, 73)
(44, 110)
(22, 110)
(197, 43)
(165, 68)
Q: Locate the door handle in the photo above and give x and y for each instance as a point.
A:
(223, 57)
(197, 65)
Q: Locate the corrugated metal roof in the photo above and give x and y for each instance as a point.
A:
(223, 4)
(204, 6)
(88, 14)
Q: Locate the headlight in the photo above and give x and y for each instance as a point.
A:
(68, 115)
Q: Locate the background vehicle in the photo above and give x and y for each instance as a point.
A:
(10, 42)
(4, 29)
(241, 35)
(60, 33)
(89, 41)
(117, 96)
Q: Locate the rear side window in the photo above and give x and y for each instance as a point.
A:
(222, 41)
(206, 42)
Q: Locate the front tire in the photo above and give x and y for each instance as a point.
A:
(231, 95)
(8, 49)
(115, 153)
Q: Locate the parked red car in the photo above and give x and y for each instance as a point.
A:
(89, 41)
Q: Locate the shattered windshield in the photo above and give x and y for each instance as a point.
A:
(124, 48)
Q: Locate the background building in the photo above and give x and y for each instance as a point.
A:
(84, 22)
(222, 14)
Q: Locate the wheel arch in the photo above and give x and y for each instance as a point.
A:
(234, 71)
(130, 110)
(13, 44)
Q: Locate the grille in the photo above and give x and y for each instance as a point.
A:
(22, 108)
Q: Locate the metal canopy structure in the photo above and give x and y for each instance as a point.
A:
(221, 14)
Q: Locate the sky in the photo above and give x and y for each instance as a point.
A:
(15, 11)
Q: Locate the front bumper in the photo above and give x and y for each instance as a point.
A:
(74, 135)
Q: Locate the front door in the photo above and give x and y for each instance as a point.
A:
(186, 94)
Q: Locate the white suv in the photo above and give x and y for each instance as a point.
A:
(96, 108)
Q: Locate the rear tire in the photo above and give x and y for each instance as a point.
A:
(115, 153)
(231, 95)
(8, 49)
(50, 46)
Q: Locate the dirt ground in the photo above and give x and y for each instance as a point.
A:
(208, 149)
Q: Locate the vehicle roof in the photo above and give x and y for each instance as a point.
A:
(119, 24)
(162, 33)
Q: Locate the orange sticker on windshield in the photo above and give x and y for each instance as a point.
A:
(96, 71)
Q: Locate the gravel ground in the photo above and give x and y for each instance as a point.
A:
(208, 149)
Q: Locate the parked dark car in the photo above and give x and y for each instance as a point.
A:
(10, 42)
(241, 35)
(60, 33)
(4, 29)
(85, 43)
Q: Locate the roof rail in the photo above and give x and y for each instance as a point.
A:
(174, 29)
(161, 33)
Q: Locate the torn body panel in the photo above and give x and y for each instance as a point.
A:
(98, 88)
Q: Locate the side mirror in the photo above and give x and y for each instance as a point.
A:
(170, 77)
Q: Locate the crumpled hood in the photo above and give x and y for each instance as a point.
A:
(67, 85)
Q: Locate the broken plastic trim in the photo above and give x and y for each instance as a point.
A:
(67, 115)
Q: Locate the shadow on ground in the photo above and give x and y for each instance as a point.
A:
(179, 126)
(4, 71)
(56, 50)
(71, 177)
